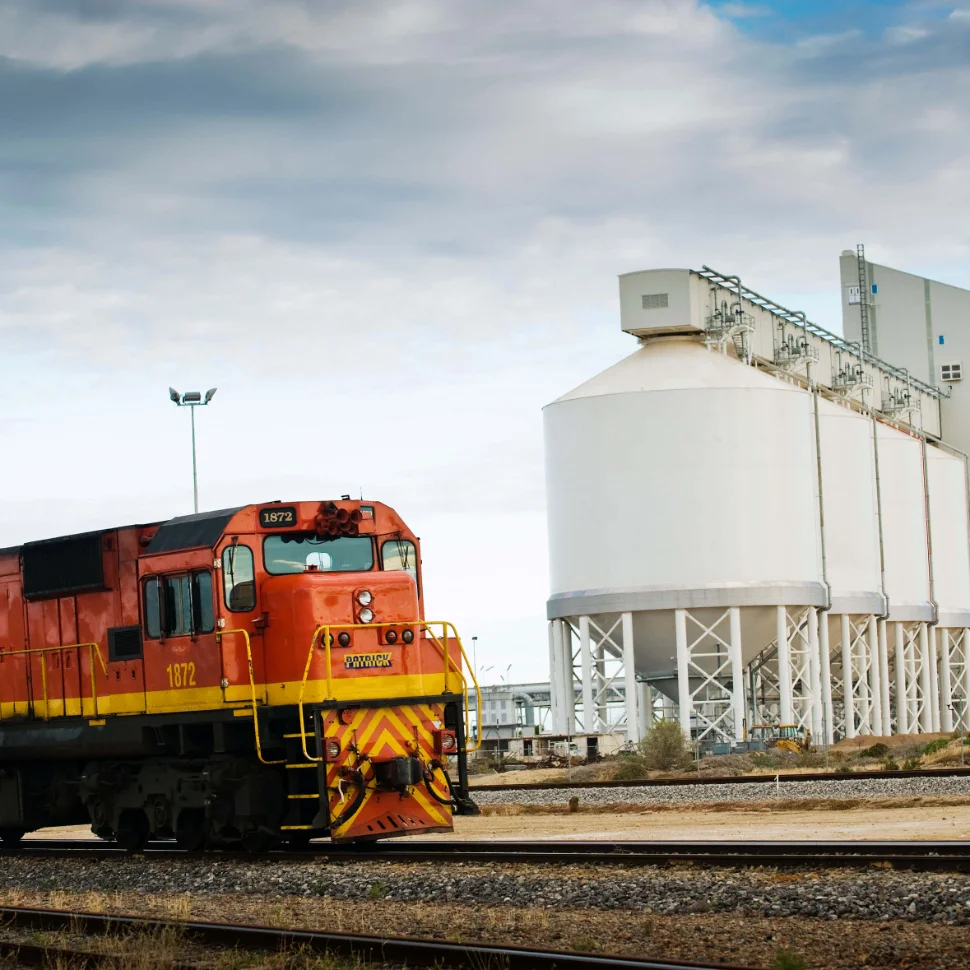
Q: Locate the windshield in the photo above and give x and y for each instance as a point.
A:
(292, 553)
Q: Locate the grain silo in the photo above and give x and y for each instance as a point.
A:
(741, 515)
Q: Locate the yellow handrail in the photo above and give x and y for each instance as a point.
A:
(93, 649)
(252, 687)
(326, 629)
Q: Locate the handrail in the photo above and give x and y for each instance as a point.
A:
(326, 629)
(93, 649)
(252, 687)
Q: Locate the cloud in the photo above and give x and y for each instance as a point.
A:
(390, 232)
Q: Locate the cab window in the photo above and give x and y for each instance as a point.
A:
(293, 552)
(400, 555)
(179, 606)
(239, 578)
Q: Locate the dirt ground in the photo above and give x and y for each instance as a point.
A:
(940, 819)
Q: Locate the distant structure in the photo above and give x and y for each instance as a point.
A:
(918, 324)
(761, 520)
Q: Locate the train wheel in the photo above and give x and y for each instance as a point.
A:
(11, 836)
(132, 834)
(190, 829)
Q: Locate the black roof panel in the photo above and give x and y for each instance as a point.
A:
(190, 531)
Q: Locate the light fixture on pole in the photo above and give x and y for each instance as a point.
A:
(192, 400)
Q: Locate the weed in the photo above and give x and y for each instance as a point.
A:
(378, 890)
(574, 803)
(890, 764)
(938, 745)
(876, 751)
(911, 764)
(788, 961)
(585, 944)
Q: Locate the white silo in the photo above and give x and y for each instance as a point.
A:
(681, 492)
(712, 493)
(852, 560)
(950, 541)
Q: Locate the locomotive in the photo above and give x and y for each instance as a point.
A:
(245, 677)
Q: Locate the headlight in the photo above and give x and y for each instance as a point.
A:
(333, 750)
(366, 615)
(391, 636)
(407, 636)
(344, 639)
(365, 597)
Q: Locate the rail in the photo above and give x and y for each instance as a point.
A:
(93, 650)
(252, 687)
(450, 666)
(360, 948)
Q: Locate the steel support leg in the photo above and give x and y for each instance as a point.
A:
(902, 688)
(814, 672)
(887, 714)
(785, 700)
(946, 683)
(586, 653)
(872, 641)
(825, 672)
(934, 677)
(737, 675)
(554, 678)
(848, 686)
(683, 671)
(630, 681)
(926, 686)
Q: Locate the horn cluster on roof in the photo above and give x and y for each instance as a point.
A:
(333, 521)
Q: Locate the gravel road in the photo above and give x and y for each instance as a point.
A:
(731, 792)
(868, 895)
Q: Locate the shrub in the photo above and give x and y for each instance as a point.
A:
(911, 764)
(938, 745)
(377, 890)
(876, 751)
(890, 764)
(664, 747)
(632, 768)
(574, 803)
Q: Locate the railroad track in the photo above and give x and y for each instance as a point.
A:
(922, 856)
(404, 951)
(728, 780)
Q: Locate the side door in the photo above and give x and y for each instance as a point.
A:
(240, 617)
(183, 671)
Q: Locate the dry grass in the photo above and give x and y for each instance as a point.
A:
(728, 938)
(786, 805)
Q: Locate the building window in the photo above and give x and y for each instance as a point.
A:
(951, 372)
(238, 578)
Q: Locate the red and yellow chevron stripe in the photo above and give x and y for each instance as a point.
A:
(367, 737)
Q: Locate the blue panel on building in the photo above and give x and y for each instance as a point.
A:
(941, 339)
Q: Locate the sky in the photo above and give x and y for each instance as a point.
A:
(389, 233)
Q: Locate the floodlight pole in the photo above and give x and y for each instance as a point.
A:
(195, 473)
(192, 400)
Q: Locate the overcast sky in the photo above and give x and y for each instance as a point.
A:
(389, 232)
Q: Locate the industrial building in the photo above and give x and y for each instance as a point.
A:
(762, 520)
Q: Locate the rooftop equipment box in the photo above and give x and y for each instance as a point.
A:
(659, 301)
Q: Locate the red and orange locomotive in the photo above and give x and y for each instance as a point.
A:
(237, 677)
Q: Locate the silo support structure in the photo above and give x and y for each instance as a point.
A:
(934, 677)
(710, 675)
(955, 675)
(785, 705)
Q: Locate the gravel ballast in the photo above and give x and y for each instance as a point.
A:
(739, 791)
(869, 895)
